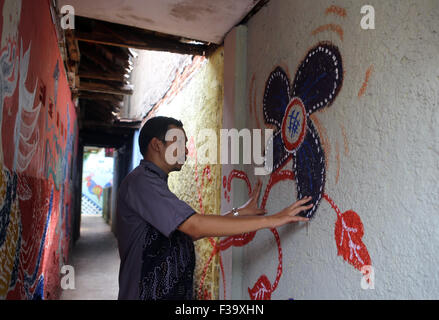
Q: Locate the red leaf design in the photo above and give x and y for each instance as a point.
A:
(261, 290)
(236, 241)
(348, 237)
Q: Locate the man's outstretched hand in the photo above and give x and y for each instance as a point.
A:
(251, 219)
(251, 208)
(289, 214)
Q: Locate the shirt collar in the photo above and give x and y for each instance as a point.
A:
(154, 168)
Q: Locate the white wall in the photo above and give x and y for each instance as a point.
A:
(381, 150)
(235, 69)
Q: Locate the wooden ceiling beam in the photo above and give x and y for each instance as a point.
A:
(101, 76)
(73, 58)
(103, 105)
(113, 98)
(99, 110)
(91, 53)
(72, 46)
(116, 56)
(88, 70)
(98, 114)
(112, 34)
(105, 88)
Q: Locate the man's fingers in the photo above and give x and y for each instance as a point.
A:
(298, 210)
(301, 202)
(258, 189)
(292, 219)
(305, 200)
(301, 219)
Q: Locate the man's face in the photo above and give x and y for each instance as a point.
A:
(175, 150)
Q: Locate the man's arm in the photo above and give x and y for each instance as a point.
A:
(199, 226)
(250, 208)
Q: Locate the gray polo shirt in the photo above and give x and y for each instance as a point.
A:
(157, 260)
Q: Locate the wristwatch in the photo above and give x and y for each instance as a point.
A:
(235, 212)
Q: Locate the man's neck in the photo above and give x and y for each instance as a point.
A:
(158, 164)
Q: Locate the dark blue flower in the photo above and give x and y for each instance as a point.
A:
(288, 107)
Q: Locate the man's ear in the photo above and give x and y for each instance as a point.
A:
(155, 144)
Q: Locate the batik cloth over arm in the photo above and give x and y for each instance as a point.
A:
(157, 260)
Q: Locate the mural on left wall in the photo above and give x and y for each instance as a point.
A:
(37, 141)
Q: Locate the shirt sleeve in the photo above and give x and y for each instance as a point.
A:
(156, 204)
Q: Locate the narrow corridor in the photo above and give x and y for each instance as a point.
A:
(96, 262)
(286, 98)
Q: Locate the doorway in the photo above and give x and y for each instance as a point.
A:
(104, 159)
(97, 182)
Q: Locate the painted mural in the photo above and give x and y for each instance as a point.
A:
(299, 144)
(289, 107)
(37, 142)
(94, 181)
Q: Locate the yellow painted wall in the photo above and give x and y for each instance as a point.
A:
(199, 105)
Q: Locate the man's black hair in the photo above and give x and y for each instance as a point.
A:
(155, 128)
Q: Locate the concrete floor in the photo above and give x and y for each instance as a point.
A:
(95, 260)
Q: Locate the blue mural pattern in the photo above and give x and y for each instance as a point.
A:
(317, 82)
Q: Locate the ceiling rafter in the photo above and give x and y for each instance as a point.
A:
(98, 58)
(113, 34)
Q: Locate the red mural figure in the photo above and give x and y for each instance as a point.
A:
(263, 288)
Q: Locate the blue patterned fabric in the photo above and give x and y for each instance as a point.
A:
(167, 266)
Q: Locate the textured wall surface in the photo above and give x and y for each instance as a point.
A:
(37, 144)
(378, 136)
(198, 104)
(153, 74)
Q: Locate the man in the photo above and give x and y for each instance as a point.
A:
(156, 230)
